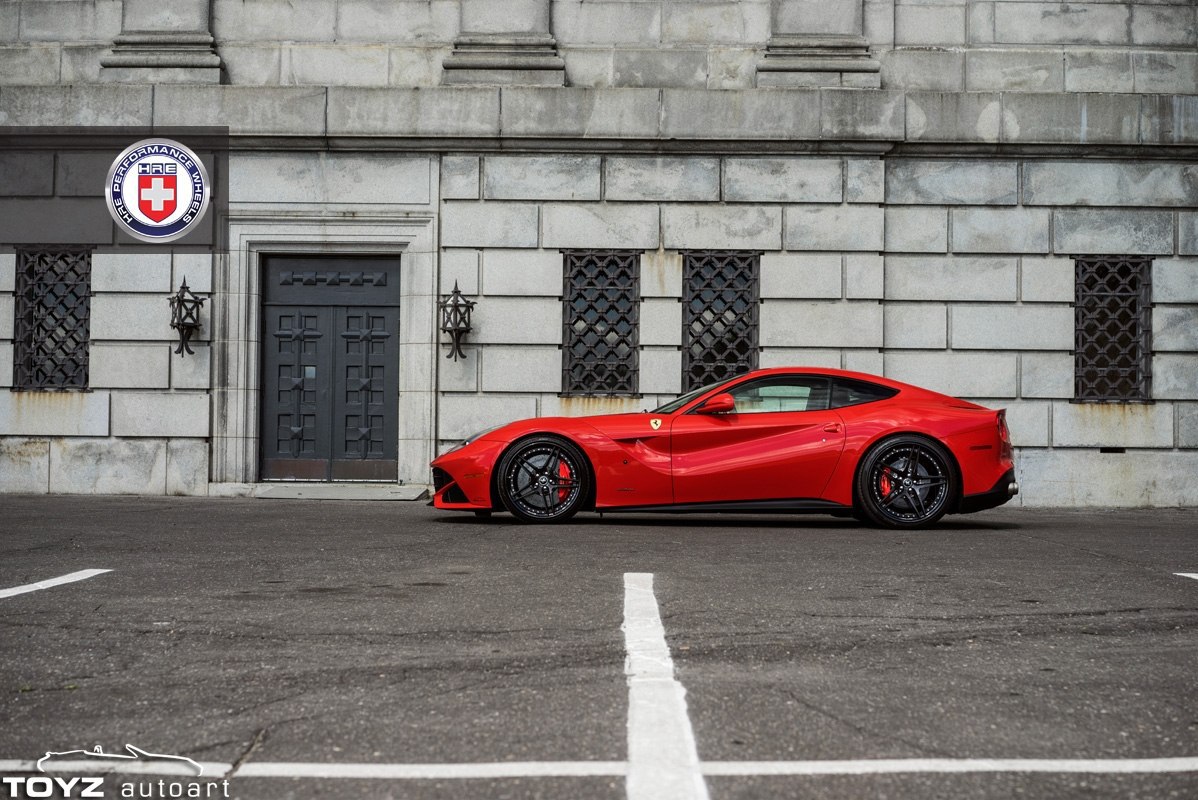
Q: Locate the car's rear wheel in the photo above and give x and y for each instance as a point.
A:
(905, 482)
(543, 479)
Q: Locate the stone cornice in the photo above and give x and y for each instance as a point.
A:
(651, 119)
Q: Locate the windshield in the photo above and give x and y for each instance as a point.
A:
(674, 405)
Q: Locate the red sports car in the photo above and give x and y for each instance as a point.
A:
(790, 439)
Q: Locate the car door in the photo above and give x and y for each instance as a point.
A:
(781, 442)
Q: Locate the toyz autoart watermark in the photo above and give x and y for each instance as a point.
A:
(77, 763)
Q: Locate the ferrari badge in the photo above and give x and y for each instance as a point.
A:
(655, 423)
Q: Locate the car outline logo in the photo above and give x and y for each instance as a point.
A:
(137, 755)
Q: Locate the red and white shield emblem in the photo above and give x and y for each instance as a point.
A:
(157, 196)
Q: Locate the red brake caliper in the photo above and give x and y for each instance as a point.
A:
(884, 483)
(563, 472)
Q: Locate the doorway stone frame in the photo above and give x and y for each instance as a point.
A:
(237, 320)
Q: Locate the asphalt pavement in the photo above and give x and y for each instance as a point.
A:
(287, 636)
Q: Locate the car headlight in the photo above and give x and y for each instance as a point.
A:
(474, 437)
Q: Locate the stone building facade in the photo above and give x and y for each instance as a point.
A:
(933, 190)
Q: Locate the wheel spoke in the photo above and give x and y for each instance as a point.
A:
(914, 493)
(526, 491)
(527, 466)
(932, 480)
(895, 494)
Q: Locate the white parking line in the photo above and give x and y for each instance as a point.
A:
(600, 769)
(82, 575)
(1193, 575)
(889, 766)
(92, 766)
(663, 762)
(498, 769)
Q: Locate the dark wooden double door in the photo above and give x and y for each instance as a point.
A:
(330, 374)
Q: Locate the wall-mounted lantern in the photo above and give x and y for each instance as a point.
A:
(455, 320)
(185, 317)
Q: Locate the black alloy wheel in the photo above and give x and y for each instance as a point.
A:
(905, 482)
(543, 479)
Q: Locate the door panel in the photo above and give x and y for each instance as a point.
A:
(296, 385)
(765, 456)
(363, 418)
(330, 375)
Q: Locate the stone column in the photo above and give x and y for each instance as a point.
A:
(163, 42)
(505, 42)
(818, 43)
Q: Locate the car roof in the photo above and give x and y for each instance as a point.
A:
(828, 372)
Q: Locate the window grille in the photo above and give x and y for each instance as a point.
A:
(720, 316)
(601, 318)
(1113, 329)
(53, 311)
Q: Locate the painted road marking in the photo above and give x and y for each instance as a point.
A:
(90, 766)
(663, 759)
(663, 762)
(1193, 575)
(498, 769)
(601, 769)
(82, 575)
(899, 765)
(284, 769)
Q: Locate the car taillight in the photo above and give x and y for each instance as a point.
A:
(1004, 435)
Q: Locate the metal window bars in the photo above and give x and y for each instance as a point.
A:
(1113, 329)
(52, 316)
(600, 322)
(720, 315)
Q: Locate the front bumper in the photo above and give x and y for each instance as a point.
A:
(462, 478)
(1003, 490)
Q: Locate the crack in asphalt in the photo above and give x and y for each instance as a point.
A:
(862, 729)
(259, 737)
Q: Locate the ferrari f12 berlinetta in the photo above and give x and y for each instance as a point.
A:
(791, 439)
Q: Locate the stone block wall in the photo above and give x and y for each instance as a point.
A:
(954, 274)
(1012, 45)
(143, 425)
(506, 218)
(979, 293)
(948, 45)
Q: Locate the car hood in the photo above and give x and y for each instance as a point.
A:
(638, 424)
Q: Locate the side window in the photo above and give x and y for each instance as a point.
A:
(53, 317)
(781, 393)
(600, 322)
(848, 392)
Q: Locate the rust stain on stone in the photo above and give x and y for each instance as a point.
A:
(586, 406)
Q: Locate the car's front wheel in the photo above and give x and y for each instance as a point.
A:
(543, 479)
(905, 482)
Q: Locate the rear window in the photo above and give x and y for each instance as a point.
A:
(848, 392)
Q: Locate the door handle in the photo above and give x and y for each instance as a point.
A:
(832, 427)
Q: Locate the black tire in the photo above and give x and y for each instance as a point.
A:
(905, 482)
(543, 479)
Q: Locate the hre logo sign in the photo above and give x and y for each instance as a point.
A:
(157, 190)
(45, 786)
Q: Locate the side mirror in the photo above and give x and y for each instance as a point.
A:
(720, 404)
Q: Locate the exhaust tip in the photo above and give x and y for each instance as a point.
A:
(1012, 488)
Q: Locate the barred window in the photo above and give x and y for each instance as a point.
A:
(601, 317)
(1113, 350)
(719, 315)
(53, 311)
